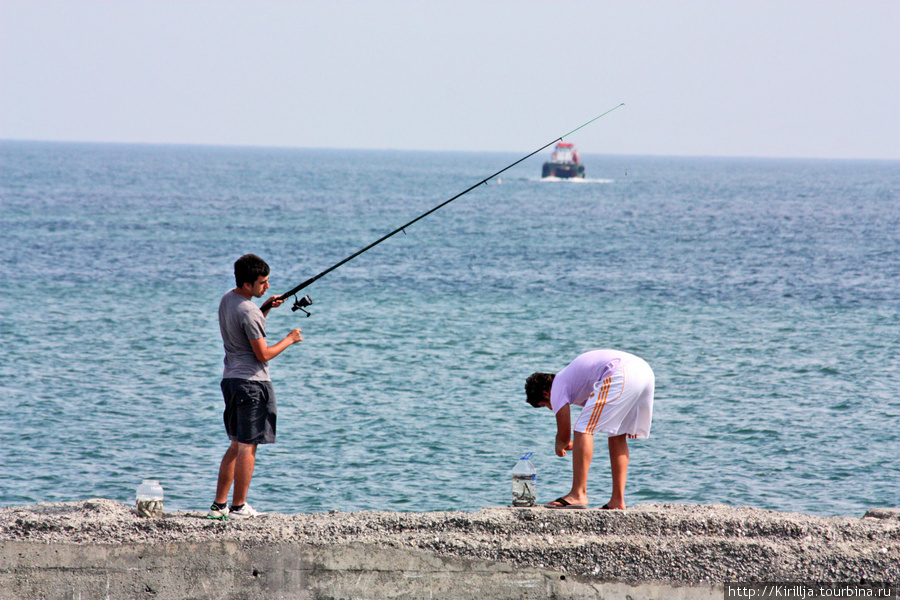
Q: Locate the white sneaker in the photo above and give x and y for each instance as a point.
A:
(217, 513)
(245, 512)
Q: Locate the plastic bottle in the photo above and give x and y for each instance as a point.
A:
(150, 499)
(524, 476)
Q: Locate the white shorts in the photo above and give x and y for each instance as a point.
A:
(621, 403)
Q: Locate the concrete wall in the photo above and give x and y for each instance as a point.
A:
(223, 570)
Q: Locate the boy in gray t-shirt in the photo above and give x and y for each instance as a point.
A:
(250, 410)
(239, 322)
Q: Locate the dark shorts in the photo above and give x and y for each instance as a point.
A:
(250, 411)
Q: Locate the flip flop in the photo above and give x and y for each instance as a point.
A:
(564, 504)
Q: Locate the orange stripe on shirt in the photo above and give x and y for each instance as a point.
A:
(598, 406)
(602, 401)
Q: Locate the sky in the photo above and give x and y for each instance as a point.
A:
(754, 78)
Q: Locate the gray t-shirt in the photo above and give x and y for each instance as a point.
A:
(240, 321)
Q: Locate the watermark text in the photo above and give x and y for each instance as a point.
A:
(803, 591)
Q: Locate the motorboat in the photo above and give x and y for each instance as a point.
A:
(563, 163)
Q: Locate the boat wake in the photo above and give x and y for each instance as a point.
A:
(577, 180)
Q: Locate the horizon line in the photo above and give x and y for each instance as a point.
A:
(211, 145)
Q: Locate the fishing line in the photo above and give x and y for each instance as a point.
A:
(301, 303)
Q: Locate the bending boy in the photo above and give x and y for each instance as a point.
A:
(615, 390)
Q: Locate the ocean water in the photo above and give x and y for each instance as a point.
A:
(765, 294)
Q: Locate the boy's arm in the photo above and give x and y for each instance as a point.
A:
(265, 353)
(563, 431)
(271, 302)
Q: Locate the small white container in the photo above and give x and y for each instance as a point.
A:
(150, 499)
(524, 480)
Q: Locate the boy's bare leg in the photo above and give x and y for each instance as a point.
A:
(618, 462)
(582, 453)
(226, 473)
(237, 467)
(243, 472)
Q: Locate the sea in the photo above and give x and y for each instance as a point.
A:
(764, 293)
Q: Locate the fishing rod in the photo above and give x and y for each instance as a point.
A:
(301, 303)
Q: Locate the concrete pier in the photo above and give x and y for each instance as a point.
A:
(102, 549)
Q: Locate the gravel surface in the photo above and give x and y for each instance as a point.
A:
(677, 543)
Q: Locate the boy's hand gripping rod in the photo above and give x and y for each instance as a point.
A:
(301, 303)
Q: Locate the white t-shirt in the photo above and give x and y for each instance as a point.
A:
(574, 384)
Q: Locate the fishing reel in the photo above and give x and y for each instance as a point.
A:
(300, 303)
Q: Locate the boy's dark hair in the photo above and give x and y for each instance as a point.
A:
(536, 385)
(249, 268)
